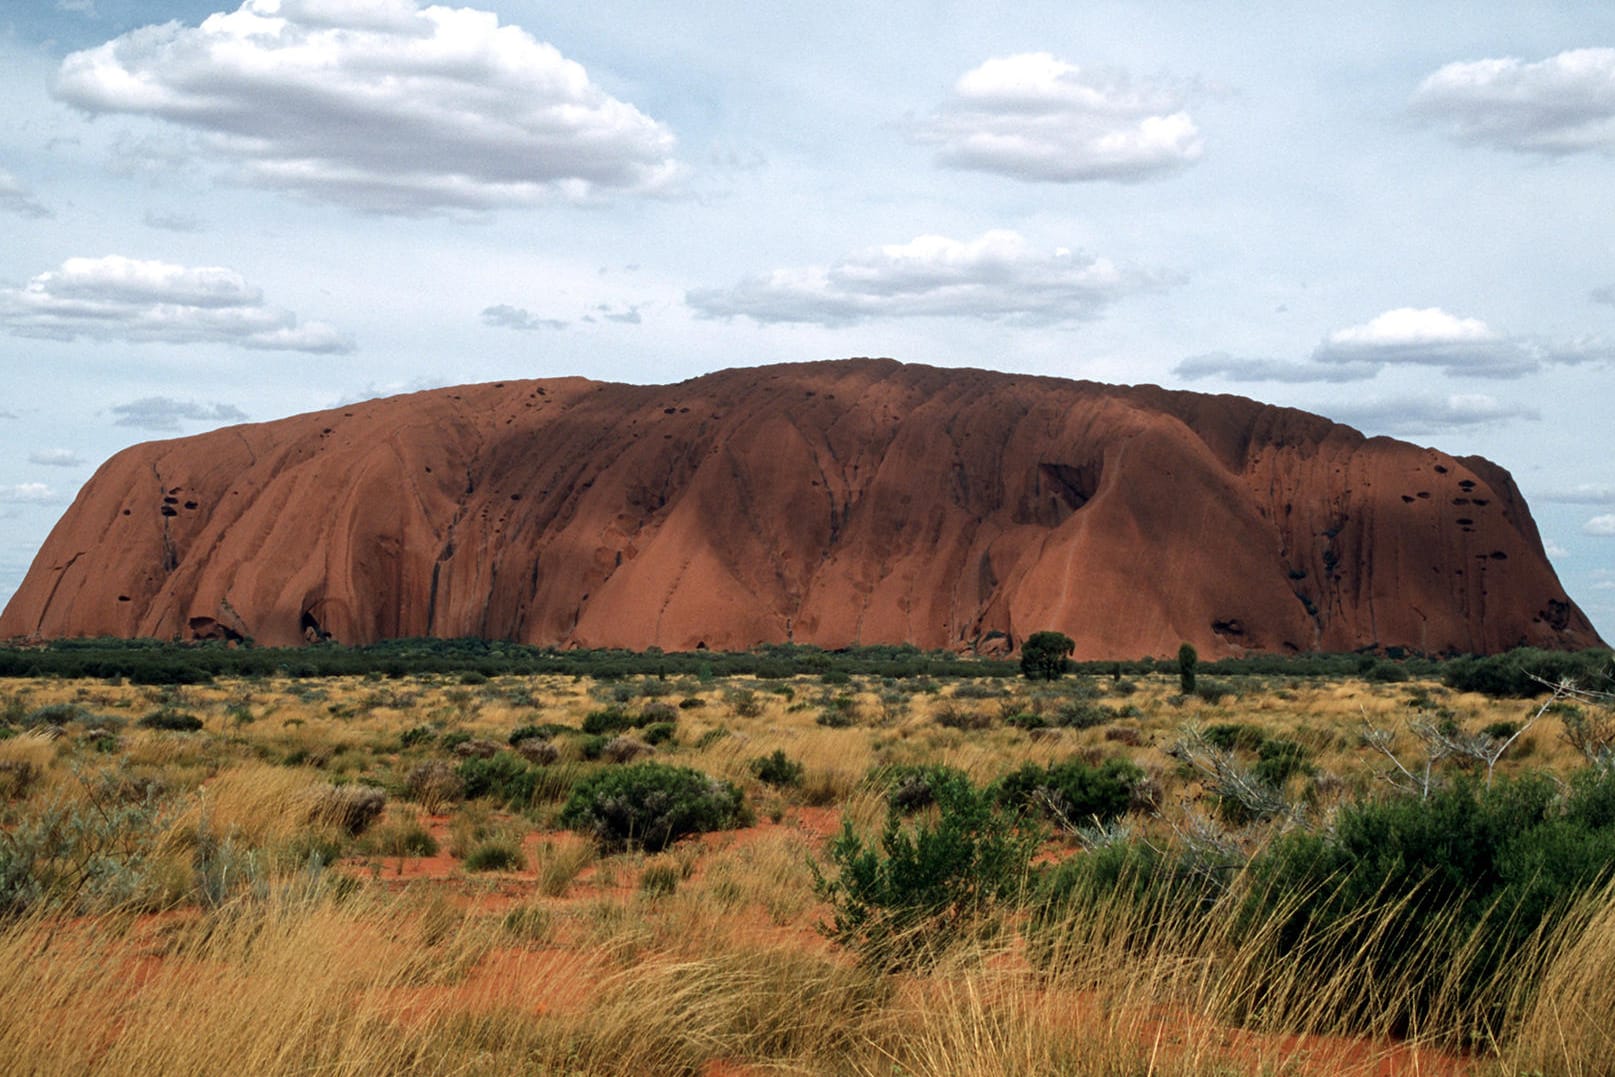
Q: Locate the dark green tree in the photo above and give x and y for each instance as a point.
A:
(1045, 655)
(1187, 660)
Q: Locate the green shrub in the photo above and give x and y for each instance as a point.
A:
(418, 734)
(657, 713)
(57, 714)
(503, 776)
(608, 720)
(951, 715)
(651, 805)
(1045, 656)
(776, 769)
(1073, 793)
(1081, 714)
(838, 712)
(659, 732)
(926, 887)
(1277, 759)
(1027, 720)
(530, 731)
(1234, 736)
(1187, 661)
(496, 854)
(1462, 877)
(910, 788)
(177, 721)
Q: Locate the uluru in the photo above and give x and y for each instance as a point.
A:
(835, 503)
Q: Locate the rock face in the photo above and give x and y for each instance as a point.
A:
(862, 501)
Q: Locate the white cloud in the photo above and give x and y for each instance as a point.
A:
(118, 298)
(1424, 415)
(166, 413)
(1553, 549)
(380, 105)
(1431, 337)
(27, 493)
(1032, 116)
(1407, 336)
(1235, 368)
(998, 275)
(55, 458)
(18, 199)
(1602, 526)
(1584, 493)
(504, 316)
(1564, 104)
(172, 222)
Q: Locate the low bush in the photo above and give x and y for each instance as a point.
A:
(608, 720)
(659, 733)
(496, 854)
(1081, 714)
(503, 776)
(953, 715)
(926, 887)
(652, 805)
(776, 769)
(175, 721)
(57, 714)
(1074, 793)
(911, 788)
(419, 734)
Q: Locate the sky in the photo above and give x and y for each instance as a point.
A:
(1396, 215)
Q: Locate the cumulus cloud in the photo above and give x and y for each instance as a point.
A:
(166, 413)
(997, 276)
(379, 105)
(55, 458)
(27, 493)
(16, 198)
(1562, 105)
(1602, 526)
(1426, 415)
(1032, 116)
(118, 298)
(505, 316)
(1430, 336)
(1407, 336)
(1553, 549)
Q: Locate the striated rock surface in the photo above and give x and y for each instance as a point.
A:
(859, 501)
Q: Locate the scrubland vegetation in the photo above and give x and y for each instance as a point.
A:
(885, 863)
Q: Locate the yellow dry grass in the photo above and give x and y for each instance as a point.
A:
(578, 965)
